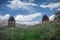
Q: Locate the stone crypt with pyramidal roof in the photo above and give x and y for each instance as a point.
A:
(11, 22)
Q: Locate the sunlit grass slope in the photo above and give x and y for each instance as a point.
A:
(46, 31)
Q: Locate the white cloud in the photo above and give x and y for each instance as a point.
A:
(27, 17)
(22, 19)
(16, 4)
(52, 17)
(5, 17)
(51, 5)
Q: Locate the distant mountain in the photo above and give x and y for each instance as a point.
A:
(5, 23)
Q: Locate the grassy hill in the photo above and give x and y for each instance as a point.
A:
(46, 31)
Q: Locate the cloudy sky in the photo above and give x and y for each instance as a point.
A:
(28, 11)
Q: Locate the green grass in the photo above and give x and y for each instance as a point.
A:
(36, 32)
